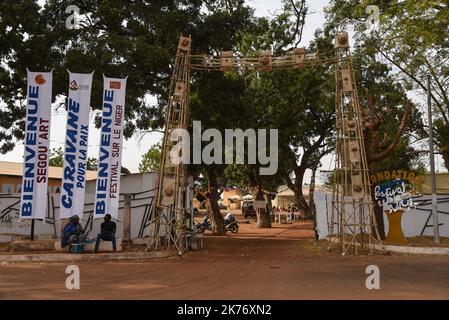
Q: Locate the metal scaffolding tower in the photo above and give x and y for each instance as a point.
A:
(353, 224)
(168, 216)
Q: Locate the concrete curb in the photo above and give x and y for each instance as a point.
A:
(416, 250)
(67, 257)
(441, 251)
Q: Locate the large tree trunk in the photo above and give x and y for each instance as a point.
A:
(255, 184)
(312, 193)
(374, 146)
(312, 202)
(213, 207)
(301, 201)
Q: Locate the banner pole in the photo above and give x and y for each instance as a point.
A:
(32, 230)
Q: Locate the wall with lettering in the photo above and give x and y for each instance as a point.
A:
(413, 219)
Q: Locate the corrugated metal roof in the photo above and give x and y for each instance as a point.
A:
(16, 169)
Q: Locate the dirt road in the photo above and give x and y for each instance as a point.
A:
(242, 266)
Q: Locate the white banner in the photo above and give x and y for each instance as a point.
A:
(33, 203)
(76, 144)
(111, 143)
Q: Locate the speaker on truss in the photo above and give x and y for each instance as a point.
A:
(265, 60)
(346, 80)
(358, 191)
(184, 43)
(342, 40)
(351, 125)
(354, 151)
(299, 58)
(226, 60)
(168, 192)
(179, 88)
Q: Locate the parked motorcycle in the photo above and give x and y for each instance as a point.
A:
(231, 223)
(203, 226)
(233, 227)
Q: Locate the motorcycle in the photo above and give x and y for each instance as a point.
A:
(233, 227)
(203, 226)
(230, 223)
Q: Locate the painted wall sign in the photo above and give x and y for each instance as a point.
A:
(396, 189)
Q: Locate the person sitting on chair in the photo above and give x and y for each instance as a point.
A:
(107, 233)
(73, 232)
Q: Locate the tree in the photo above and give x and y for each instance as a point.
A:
(135, 39)
(216, 98)
(150, 160)
(391, 120)
(413, 38)
(387, 117)
(278, 100)
(300, 103)
(57, 159)
(216, 102)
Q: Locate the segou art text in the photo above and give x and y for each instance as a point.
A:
(37, 138)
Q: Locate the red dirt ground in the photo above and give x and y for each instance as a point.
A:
(279, 263)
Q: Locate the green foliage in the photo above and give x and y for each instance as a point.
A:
(389, 99)
(412, 38)
(57, 159)
(150, 160)
(135, 39)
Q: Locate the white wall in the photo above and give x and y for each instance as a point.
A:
(412, 222)
(11, 227)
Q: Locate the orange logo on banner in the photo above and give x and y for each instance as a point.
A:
(39, 79)
(73, 85)
(115, 84)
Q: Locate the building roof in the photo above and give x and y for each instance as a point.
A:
(285, 191)
(16, 169)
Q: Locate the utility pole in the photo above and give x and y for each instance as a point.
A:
(436, 232)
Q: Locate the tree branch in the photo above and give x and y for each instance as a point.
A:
(300, 19)
(382, 155)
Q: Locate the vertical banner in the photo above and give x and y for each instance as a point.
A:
(33, 204)
(76, 144)
(111, 142)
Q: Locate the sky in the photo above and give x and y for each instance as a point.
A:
(136, 146)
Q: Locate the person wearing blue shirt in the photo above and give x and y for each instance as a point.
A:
(72, 232)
